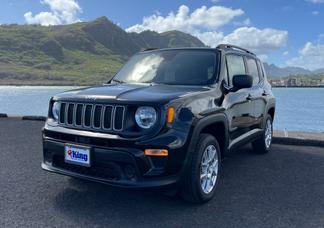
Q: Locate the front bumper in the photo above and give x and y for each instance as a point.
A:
(163, 182)
(116, 163)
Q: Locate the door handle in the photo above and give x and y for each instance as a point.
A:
(265, 93)
(249, 97)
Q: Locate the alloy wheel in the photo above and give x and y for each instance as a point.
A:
(268, 134)
(209, 169)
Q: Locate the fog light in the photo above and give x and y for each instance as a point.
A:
(156, 152)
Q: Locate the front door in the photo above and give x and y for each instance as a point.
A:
(239, 104)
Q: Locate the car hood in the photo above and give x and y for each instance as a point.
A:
(130, 93)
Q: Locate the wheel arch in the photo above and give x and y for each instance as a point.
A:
(271, 112)
(269, 109)
(216, 125)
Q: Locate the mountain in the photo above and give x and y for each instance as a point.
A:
(167, 39)
(319, 71)
(81, 53)
(274, 71)
(86, 53)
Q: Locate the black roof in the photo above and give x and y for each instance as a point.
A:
(178, 48)
(225, 47)
(233, 47)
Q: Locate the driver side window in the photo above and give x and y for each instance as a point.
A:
(235, 66)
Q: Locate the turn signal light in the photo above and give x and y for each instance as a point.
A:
(170, 115)
(156, 152)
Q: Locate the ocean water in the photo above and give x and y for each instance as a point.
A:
(298, 109)
(28, 100)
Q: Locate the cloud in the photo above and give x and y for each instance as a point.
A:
(211, 39)
(311, 56)
(285, 53)
(260, 41)
(43, 18)
(62, 12)
(315, 13)
(315, 1)
(246, 22)
(201, 18)
(205, 23)
(321, 37)
(263, 58)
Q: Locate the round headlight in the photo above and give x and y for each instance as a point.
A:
(56, 110)
(145, 117)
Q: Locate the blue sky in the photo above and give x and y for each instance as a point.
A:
(282, 32)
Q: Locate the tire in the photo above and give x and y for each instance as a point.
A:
(263, 144)
(194, 189)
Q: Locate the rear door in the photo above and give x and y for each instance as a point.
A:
(257, 92)
(238, 105)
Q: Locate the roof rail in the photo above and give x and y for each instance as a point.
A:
(150, 49)
(229, 46)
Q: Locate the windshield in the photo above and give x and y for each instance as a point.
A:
(178, 67)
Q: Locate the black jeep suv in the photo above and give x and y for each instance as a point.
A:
(165, 119)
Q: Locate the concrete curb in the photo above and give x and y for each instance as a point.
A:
(33, 118)
(3, 115)
(299, 138)
(297, 141)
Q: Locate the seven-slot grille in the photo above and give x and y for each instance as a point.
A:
(92, 116)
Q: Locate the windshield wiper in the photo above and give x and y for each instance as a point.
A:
(118, 81)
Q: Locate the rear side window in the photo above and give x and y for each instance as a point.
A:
(235, 66)
(253, 70)
(261, 69)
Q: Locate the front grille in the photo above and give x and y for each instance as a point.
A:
(92, 116)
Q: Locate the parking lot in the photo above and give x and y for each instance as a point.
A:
(284, 188)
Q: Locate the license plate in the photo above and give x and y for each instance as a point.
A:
(78, 155)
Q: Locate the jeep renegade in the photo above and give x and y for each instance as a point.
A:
(166, 119)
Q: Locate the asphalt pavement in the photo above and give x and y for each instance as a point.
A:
(284, 188)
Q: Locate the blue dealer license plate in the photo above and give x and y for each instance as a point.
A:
(78, 155)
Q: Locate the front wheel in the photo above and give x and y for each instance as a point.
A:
(203, 172)
(263, 145)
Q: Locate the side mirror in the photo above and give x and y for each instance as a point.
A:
(242, 81)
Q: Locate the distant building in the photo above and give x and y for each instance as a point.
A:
(297, 82)
(315, 82)
(292, 82)
(322, 83)
(278, 82)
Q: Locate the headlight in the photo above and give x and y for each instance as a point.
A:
(145, 117)
(56, 110)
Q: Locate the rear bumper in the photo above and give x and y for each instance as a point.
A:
(116, 166)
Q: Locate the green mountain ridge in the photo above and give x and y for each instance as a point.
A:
(84, 53)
